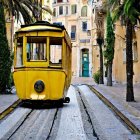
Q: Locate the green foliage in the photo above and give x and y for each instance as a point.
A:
(110, 39)
(29, 10)
(129, 9)
(132, 10)
(96, 76)
(5, 57)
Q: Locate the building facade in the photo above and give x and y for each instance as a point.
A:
(84, 22)
(76, 16)
(119, 62)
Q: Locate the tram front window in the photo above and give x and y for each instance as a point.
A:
(36, 48)
(19, 52)
(55, 50)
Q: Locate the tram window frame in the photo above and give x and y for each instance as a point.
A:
(34, 47)
(19, 52)
(56, 42)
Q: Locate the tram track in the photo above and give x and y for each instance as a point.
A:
(131, 126)
(19, 125)
(20, 119)
(86, 117)
(36, 124)
(86, 114)
(8, 110)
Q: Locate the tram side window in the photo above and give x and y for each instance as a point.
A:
(55, 50)
(19, 52)
(36, 48)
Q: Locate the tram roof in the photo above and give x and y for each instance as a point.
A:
(41, 26)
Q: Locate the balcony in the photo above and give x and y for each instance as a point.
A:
(84, 40)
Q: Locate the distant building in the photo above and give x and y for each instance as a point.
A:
(76, 15)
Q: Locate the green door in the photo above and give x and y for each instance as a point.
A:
(85, 63)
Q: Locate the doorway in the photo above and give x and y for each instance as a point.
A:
(85, 63)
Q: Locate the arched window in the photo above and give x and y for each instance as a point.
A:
(84, 11)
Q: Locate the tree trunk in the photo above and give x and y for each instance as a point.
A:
(101, 79)
(109, 74)
(129, 62)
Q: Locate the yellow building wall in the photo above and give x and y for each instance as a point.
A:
(119, 67)
(119, 63)
(136, 65)
(96, 59)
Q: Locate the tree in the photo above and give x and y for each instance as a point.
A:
(100, 42)
(22, 8)
(130, 11)
(16, 8)
(5, 57)
(109, 50)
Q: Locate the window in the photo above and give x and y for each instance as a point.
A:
(54, 12)
(58, 23)
(67, 12)
(84, 11)
(84, 26)
(55, 50)
(73, 32)
(124, 55)
(74, 9)
(19, 51)
(36, 48)
(59, 1)
(73, 28)
(135, 53)
(72, 36)
(61, 10)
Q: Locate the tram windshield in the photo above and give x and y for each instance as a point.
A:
(36, 48)
(55, 50)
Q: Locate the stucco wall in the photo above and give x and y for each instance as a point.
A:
(119, 65)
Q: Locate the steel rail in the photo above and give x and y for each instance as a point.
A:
(131, 126)
(9, 109)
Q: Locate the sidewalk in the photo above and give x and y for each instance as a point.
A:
(7, 100)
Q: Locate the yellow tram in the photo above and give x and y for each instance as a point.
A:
(42, 62)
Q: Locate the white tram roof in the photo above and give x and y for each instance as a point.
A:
(41, 26)
(44, 26)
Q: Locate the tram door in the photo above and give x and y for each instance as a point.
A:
(85, 63)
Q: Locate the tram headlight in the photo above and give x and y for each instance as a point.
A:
(39, 86)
